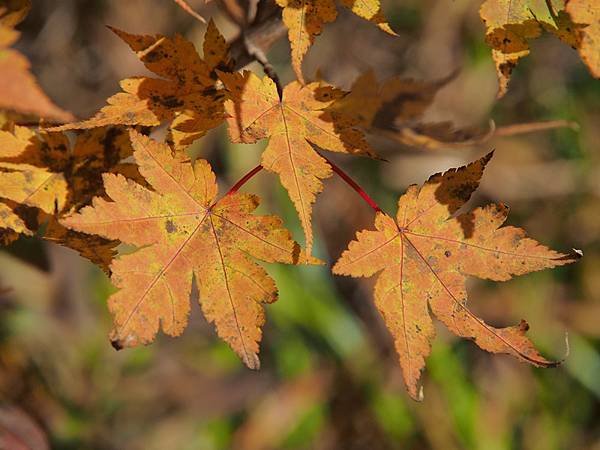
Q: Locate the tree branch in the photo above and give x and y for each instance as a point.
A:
(266, 29)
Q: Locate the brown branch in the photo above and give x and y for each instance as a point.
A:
(531, 127)
(233, 10)
(266, 29)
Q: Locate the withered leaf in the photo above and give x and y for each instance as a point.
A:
(24, 181)
(395, 109)
(181, 231)
(292, 125)
(43, 170)
(423, 257)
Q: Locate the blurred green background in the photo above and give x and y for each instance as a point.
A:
(329, 377)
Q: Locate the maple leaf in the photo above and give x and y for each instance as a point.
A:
(26, 183)
(11, 225)
(395, 108)
(19, 220)
(586, 15)
(293, 125)
(181, 231)
(305, 19)
(185, 96)
(511, 24)
(19, 90)
(43, 172)
(424, 256)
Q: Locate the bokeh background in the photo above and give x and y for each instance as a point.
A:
(329, 377)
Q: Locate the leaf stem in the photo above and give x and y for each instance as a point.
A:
(354, 185)
(343, 175)
(244, 180)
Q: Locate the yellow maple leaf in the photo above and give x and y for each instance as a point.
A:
(181, 231)
(293, 125)
(511, 24)
(24, 182)
(424, 256)
(586, 15)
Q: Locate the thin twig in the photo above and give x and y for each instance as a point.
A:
(233, 11)
(252, 11)
(522, 128)
(267, 29)
(188, 9)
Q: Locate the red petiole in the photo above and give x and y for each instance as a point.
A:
(244, 180)
(343, 175)
(354, 185)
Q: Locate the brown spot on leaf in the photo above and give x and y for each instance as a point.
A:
(170, 227)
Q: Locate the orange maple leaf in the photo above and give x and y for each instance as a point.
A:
(305, 19)
(19, 90)
(181, 232)
(185, 96)
(424, 256)
(293, 125)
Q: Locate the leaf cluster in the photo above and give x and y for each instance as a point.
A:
(115, 184)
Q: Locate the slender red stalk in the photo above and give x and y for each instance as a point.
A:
(354, 185)
(244, 180)
(343, 175)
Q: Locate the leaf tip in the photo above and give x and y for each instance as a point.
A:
(116, 344)
(573, 256)
(416, 392)
(420, 395)
(251, 361)
(119, 342)
(487, 158)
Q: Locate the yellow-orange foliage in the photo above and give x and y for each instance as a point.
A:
(42, 177)
(511, 24)
(183, 231)
(293, 125)
(185, 95)
(423, 257)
